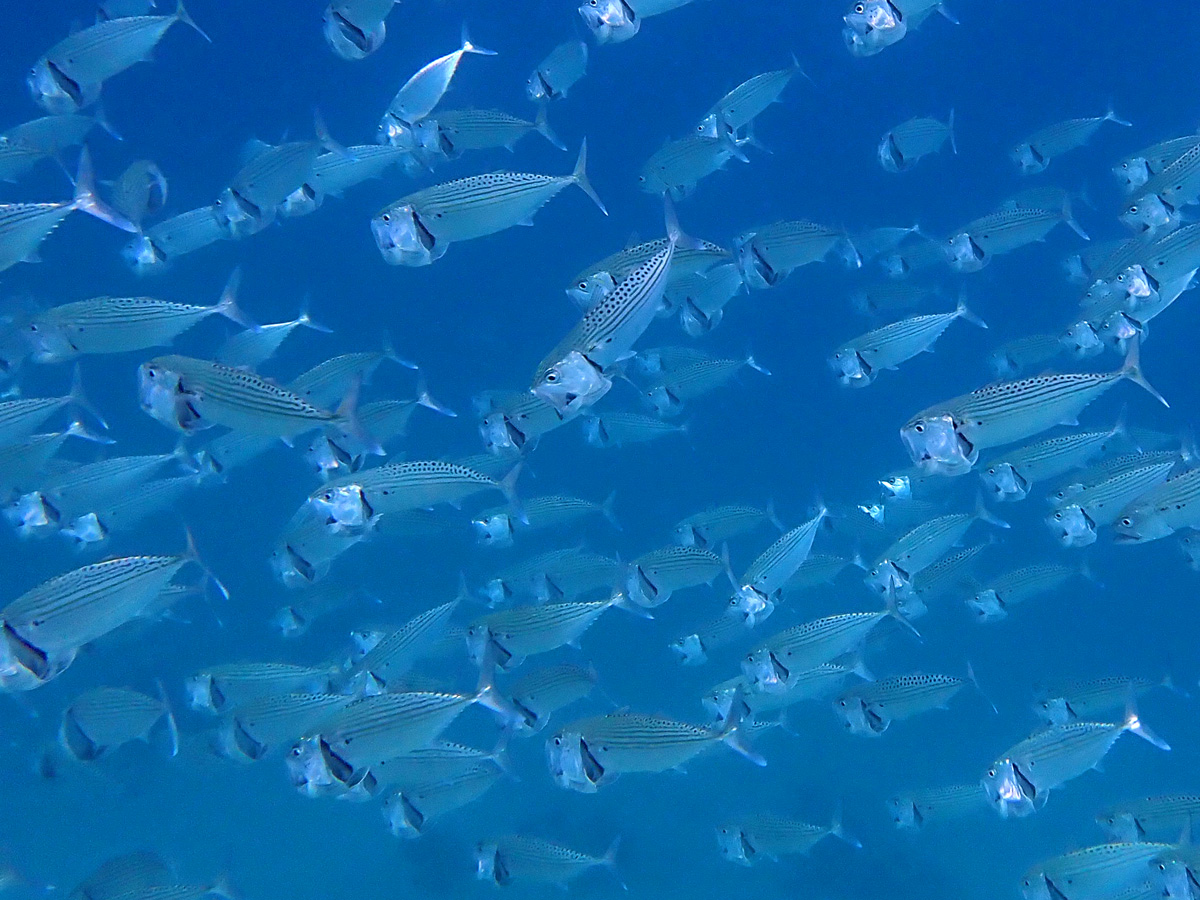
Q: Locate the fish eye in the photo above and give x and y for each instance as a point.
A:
(583, 285)
(859, 8)
(1133, 209)
(919, 429)
(1126, 521)
(551, 377)
(991, 773)
(1058, 516)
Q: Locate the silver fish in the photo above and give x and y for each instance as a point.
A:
(1154, 818)
(506, 638)
(535, 697)
(1135, 170)
(617, 429)
(1100, 871)
(415, 230)
(766, 835)
(518, 859)
(702, 298)
(1163, 510)
(1005, 591)
(394, 655)
(974, 245)
(1089, 699)
(1011, 476)
(769, 254)
(409, 812)
(484, 129)
(916, 809)
(692, 649)
(260, 726)
(689, 382)
(1075, 521)
(903, 146)
(747, 101)
(1034, 153)
(124, 874)
(51, 134)
(139, 191)
(354, 29)
(335, 172)
(760, 586)
(869, 709)
(693, 258)
(947, 437)
(558, 72)
(716, 525)
(1156, 205)
(166, 241)
(102, 719)
(652, 578)
(675, 169)
(497, 527)
(220, 688)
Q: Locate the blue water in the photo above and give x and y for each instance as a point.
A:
(483, 316)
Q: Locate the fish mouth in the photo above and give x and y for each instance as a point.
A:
(352, 32)
(252, 748)
(65, 83)
(778, 669)
(35, 660)
(337, 767)
(592, 769)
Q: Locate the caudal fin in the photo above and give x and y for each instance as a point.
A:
(468, 47)
(181, 15)
(78, 399)
(426, 399)
(346, 416)
(86, 199)
(579, 176)
(963, 312)
(1132, 371)
(1134, 724)
(228, 305)
(543, 127)
(838, 830)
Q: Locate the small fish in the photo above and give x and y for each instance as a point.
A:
(418, 97)
(260, 726)
(396, 652)
(913, 255)
(416, 230)
(947, 438)
(1076, 520)
(140, 191)
(1138, 168)
(1024, 353)
(1155, 206)
(517, 422)
(869, 709)
(702, 298)
(1005, 591)
(1163, 510)
(1090, 699)
(497, 527)
(252, 347)
(1011, 476)
(675, 169)
(118, 9)
(296, 617)
(974, 245)
(695, 380)
(694, 257)
(166, 241)
(128, 510)
(735, 693)
(1034, 153)
(716, 525)
(747, 101)
(555, 75)
(69, 75)
(770, 836)
(123, 324)
(857, 363)
(1154, 818)
(1100, 871)
(102, 719)
(518, 859)
(336, 171)
(484, 129)
(506, 638)
(19, 419)
(354, 29)
(125, 874)
(692, 649)
(410, 811)
(767, 255)
(756, 592)
(53, 134)
(1019, 782)
(221, 688)
(905, 145)
(652, 578)
(891, 297)
(535, 697)
(611, 21)
(916, 809)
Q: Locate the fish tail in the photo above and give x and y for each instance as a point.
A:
(579, 176)
(192, 554)
(893, 610)
(86, 199)
(609, 861)
(468, 47)
(181, 15)
(1111, 116)
(78, 399)
(347, 415)
(426, 399)
(796, 67)
(732, 738)
(1132, 371)
(950, 128)
(101, 119)
(1134, 724)
(389, 352)
(228, 305)
(79, 430)
(983, 514)
(542, 124)
(305, 318)
(327, 140)
(754, 364)
(1069, 218)
(963, 312)
(975, 681)
(606, 510)
(508, 487)
(837, 829)
(677, 236)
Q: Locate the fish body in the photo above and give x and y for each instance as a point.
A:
(971, 247)
(259, 726)
(770, 665)
(395, 654)
(869, 709)
(770, 836)
(518, 859)
(1002, 593)
(221, 688)
(762, 583)
(410, 811)
(694, 258)
(506, 638)
(484, 129)
(1135, 170)
(166, 241)
(1151, 819)
(1075, 522)
(702, 298)
(496, 527)
(653, 577)
(677, 167)
(1034, 153)
(1104, 870)
(716, 525)
(1012, 475)
(692, 649)
(916, 809)
(418, 97)
(746, 102)
(537, 696)
(561, 70)
(1162, 510)
(252, 200)
(1090, 699)
(905, 145)
(334, 172)
(767, 255)
(102, 719)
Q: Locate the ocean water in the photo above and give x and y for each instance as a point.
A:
(483, 316)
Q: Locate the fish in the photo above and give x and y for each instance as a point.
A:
(128, 510)
(220, 688)
(857, 363)
(1089, 699)
(905, 145)
(1019, 782)
(757, 591)
(337, 171)
(420, 95)
(617, 429)
(747, 101)
(259, 727)
(116, 9)
(1135, 170)
(508, 637)
(497, 527)
(251, 347)
(100, 720)
(296, 617)
(702, 298)
(946, 438)
(410, 811)
(714, 526)
(1155, 206)
(190, 394)
(695, 380)
(1149, 819)
(16, 161)
(354, 29)
(1033, 154)
(611, 21)
(518, 423)
(484, 129)
(652, 578)
(915, 809)
(1010, 476)
(537, 696)
(166, 241)
(888, 298)
(693, 257)
(974, 245)
(417, 228)
(914, 254)
(19, 419)
(770, 836)
(1005, 591)
(869, 709)
(124, 875)
(1076, 520)
(139, 191)
(769, 254)
(735, 693)
(519, 859)
(68, 76)
(123, 324)
(676, 168)
(1103, 870)
(692, 649)
(1161, 511)
(396, 652)
(328, 381)
(560, 71)
(591, 753)
(53, 134)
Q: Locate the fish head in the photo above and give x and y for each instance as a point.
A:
(937, 445)
(365, 640)
(904, 813)
(852, 712)
(850, 368)
(610, 21)
(487, 861)
(237, 217)
(1008, 792)
(750, 605)
(344, 506)
(660, 399)
(199, 689)
(289, 621)
(495, 530)
(650, 181)
(404, 821)
(571, 763)
(497, 593)
(572, 384)
(987, 607)
(689, 649)
(327, 458)
(1117, 329)
(55, 92)
(756, 271)
(1081, 340)
(1149, 214)
(32, 515)
(1035, 886)
(1003, 482)
(48, 342)
(912, 606)
(349, 39)
(764, 672)
(1132, 173)
(85, 529)
(1072, 526)
(479, 641)
(887, 577)
(395, 132)
(403, 239)
(302, 201)
(162, 396)
(1053, 710)
(733, 845)
(864, 45)
(1028, 160)
(141, 254)
(712, 126)
(719, 701)
(867, 16)
(1138, 285)
(535, 88)
(307, 768)
(897, 486)
(964, 255)
(293, 569)
(1138, 526)
(695, 322)
(587, 292)
(895, 265)
(1120, 827)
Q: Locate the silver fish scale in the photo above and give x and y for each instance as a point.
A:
(1173, 494)
(108, 716)
(1174, 254)
(1059, 742)
(333, 171)
(257, 676)
(1164, 808)
(782, 553)
(836, 632)
(950, 797)
(913, 334)
(701, 377)
(386, 714)
(679, 561)
(686, 159)
(533, 621)
(719, 632)
(1009, 223)
(399, 649)
(19, 414)
(799, 241)
(687, 259)
(241, 389)
(553, 686)
(185, 232)
(921, 129)
(1104, 692)
(725, 521)
(335, 371)
(1176, 176)
(283, 717)
(282, 158)
(1102, 860)
(25, 225)
(769, 832)
(1113, 493)
(635, 731)
(1159, 156)
(420, 474)
(1055, 455)
(750, 98)
(929, 539)
(907, 689)
(481, 190)
(534, 565)
(1012, 398)
(1062, 136)
(530, 856)
(1029, 581)
(482, 121)
(122, 311)
(634, 299)
(451, 791)
(98, 37)
(124, 874)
